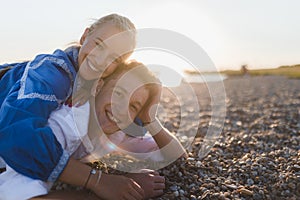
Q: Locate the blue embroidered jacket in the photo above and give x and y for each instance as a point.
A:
(29, 92)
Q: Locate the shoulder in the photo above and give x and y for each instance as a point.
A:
(49, 73)
(56, 63)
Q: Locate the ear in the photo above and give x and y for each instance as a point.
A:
(84, 35)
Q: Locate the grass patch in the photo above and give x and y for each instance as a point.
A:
(289, 71)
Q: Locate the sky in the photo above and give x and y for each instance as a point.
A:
(259, 33)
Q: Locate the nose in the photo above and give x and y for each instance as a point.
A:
(100, 58)
(120, 111)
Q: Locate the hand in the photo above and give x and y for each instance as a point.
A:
(80, 97)
(118, 187)
(149, 111)
(150, 181)
(83, 95)
(97, 87)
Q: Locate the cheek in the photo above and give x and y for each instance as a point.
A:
(132, 116)
(85, 49)
(109, 70)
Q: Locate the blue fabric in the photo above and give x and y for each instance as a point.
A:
(29, 92)
(136, 129)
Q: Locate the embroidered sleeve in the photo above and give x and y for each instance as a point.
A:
(27, 144)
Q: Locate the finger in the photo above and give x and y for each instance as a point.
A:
(69, 101)
(150, 171)
(138, 191)
(79, 102)
(129, 196)
(97, 87)
(158, 193)
(76, 98)
(159, 179)
(155, 173)
(82, 101)
(159, 186)
(133, 194)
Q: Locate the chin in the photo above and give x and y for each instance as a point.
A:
(109, 130)
(87, 75)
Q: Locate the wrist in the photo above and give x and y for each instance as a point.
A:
(154, 127)
(91, 179)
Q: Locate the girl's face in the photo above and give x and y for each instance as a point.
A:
(120, 101)
(102, 50)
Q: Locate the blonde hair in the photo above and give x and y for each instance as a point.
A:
(121, 22)
(141, 72)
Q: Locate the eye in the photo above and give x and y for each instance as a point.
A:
(134, 107)
(118, 93)
(99, 45)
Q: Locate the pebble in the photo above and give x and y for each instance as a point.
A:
(245, 191)
(198, 164)
(176, 193)
(257, 153)
(173, 188)
(250, 181)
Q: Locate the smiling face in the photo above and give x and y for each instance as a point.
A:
(102, 50)
(119, 101)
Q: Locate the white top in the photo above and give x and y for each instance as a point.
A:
(70, 126)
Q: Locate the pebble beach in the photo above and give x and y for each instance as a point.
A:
(256, 156)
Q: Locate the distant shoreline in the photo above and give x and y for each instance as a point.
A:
(290, 71)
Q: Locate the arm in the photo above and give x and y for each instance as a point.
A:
(26, 143)
(109, 186)
(166, 141)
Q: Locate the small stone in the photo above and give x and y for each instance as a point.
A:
(296, 167)
(176, 193)
(245, 191)
(181, 192)
(257, 196)
(239, 123)
(198, 164)
(261, 192)
(234, 187)
(291, 185)
(205, 194)
(190, 159)
(193, 197)
(250, 181)
(173, 188)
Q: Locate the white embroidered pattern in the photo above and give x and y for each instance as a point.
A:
(59, 167)
(61, 63)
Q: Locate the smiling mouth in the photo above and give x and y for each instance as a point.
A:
(92, 66)
(112, 118)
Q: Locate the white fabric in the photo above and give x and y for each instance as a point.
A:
(15, 186)
(70, 126)
(2, 163)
